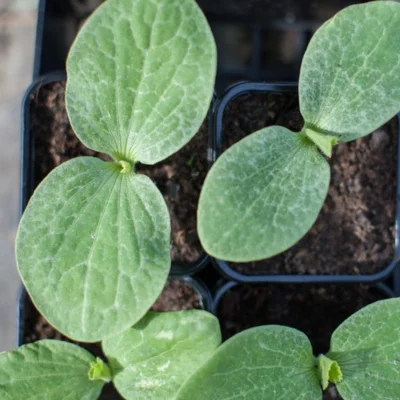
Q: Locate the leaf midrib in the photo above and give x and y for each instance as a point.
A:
(85, 285)
(138, 90)
(291, 156)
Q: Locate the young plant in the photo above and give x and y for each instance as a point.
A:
(265, 192)
(93, 246)
(150, 361)
(276, 362)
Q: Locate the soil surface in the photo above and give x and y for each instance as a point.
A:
(176, 295)
(354, 233)
(179, 178)
(315, 310)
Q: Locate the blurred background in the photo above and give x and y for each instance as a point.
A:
(17, 36)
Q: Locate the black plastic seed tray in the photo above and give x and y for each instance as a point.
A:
(256, 39)
(261, 40)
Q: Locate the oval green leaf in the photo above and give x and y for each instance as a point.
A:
(367, 349)
(262, 195)
(268, 362)
(349, 80)
(155, 357)
(141, 77)
(93, 248)
(47, 370)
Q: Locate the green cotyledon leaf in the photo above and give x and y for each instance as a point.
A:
(154, 358)
(141, 77)
(367, 348)
(268, 362)
(349, 81)
(262, 195)
(93, 248)
(48, 370)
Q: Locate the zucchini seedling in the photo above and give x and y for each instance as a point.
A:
(93, 245)
(265, 192)
(276, 362)
(150, 361)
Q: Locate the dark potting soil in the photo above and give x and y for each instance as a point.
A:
(354, 233)
(179, 178)
(315, 310)
(176, 295)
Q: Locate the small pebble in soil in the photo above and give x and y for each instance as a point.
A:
(379, 139)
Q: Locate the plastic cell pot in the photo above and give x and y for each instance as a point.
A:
(225, 286)
(225, 268)
(189, 269)
(243, 32)
(269, 10)
(28, 153)
(316, 310)
(58, 24)
(264, 39)
(396, 280)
